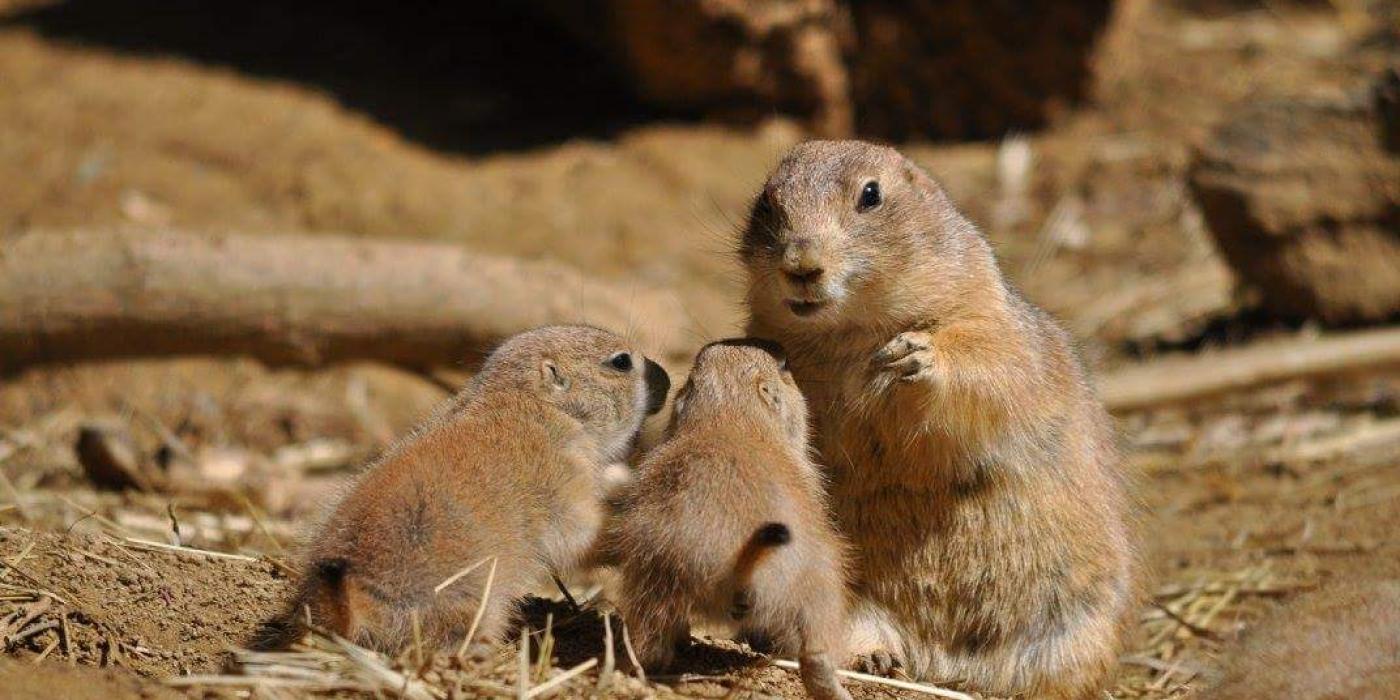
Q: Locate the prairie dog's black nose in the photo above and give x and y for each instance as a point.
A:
(804, 276)
(658, 387)
(801, 261)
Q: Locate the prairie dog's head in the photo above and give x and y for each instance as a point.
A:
(595, 376)
(836, 229)
(743, 379)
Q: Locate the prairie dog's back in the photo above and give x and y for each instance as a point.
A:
(735, 459)
(1342, 641)
(697, 504)
(727, 518)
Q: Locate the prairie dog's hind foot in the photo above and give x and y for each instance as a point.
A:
(873, 642)
(878, 662)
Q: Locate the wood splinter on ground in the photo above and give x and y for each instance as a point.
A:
(1208, 374)
(923, 688)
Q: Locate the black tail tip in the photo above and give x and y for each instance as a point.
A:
(331, 570)
(773, 534)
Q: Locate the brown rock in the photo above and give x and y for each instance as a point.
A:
(885, 68)
(739, 57)
(1388, 105)
(110, 458)
(969, 68)
(1304, 201)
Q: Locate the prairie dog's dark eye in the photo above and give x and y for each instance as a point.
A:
(869, 196)
(621, 362)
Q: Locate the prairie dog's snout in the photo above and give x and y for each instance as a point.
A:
(802, 261)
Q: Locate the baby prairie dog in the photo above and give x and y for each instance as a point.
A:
(512, 475)
(972, 469)
(1339, 642)
(727, 518)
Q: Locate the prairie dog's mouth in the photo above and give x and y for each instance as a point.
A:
(802, 307)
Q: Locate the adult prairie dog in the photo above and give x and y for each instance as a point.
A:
(511, 477)
(971, 467)
(1342, 641)
(727, 518)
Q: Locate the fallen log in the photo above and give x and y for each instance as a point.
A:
(1212, 373)
(295, 299)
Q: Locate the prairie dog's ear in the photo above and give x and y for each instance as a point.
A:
(910, 172)
(770, 392)
(679, 400)
(551, 377)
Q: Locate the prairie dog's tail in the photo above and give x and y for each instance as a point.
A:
(328, 599)
(761, 544)
(336, 603)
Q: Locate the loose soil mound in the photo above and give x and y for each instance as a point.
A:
(155, 612)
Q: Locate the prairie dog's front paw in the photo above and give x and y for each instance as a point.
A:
(909, 357)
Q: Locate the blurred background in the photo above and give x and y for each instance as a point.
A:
(1198, 188)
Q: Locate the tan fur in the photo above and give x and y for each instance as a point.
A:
(512, 468)
(689, 531)
(972, 468)
(1340, 642)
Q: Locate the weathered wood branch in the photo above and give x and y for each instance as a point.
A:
(295, 299)
(1212, 373)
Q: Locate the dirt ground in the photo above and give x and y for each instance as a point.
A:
(1247, 498)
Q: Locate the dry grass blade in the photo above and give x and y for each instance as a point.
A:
(98, 557)
(388, 679)
(546, 651)
(16, 559)
(609, 658)
(30, 631)
(1194, 628)
(632, 654)
(256, 515)
(257, 683)
(67, 639)
(554, 683)
(480, 610)
(458, 576)
(522, 679)
(47, 650)
(89, 513)
(147, 544)
(887, 682)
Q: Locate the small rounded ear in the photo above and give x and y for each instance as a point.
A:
(920, 181)
(917, 180)
(769, 391)
(678, 402)
(552, 377)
